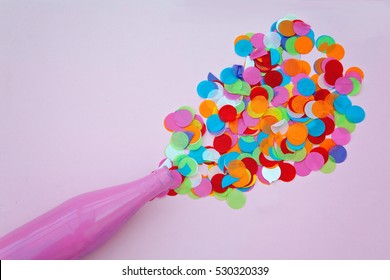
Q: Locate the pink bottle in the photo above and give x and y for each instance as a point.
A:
(83, 223)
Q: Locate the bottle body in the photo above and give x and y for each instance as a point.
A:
(83, 223)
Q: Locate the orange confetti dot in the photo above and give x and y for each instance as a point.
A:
(335, 51)
(303, 45)
(292, 67)
(318, 66)
(297, 103)
(327, 144)
(305, 67)
(320, 109)
(244, 181)
(297, 133)
(286, 28)
(207, 108)
(236, 168)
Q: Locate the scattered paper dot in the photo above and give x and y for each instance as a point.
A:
(273, 118)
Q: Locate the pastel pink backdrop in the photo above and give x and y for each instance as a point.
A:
(85, 86)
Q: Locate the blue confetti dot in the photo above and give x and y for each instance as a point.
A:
(306, 86)
(204, 88)
(229, 157)
(273, 27)
(355, 114)
(316, 127)
(295, 147)
(338, 153)
(243, 48)
(197, 154)
(247, 147)
(275, 56)
(215, 124)
(228, 76)
(228, 180)
(311, 35)
(286, 79)
(342, 103)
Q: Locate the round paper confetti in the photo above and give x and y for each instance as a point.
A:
(275, 117)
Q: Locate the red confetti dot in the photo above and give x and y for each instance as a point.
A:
(331, 77)
(288, 172)
(259, 91)
(321, 94)
(316, 140)
(216, 182)
(227, 113)
(274, 78)
(265, 162)
(250, 164)
(249, 131)
(172, 192)
(222, 143)
(329, 126)
(284, 148)
(334, 66)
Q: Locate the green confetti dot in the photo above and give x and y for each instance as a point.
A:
(179, 140)
(222, 196)
(188, 166)
(329, 166)
(184, 187)
(240, 107)
(324, 39)
(356, 87)
(290, 45)
(300, 155)
(342, 121)
(236, 199)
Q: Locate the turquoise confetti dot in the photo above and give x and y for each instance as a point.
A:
(243, 48)
(215, 124)
(228, 180)
(316, 127)
(355, 114)
(204, 88)
(295, 147)
(247, 146)
(311, 35)
(221, 162)
(306, 86)
(197, 154)
(342, 103)
(227, 76)
(286, 79)
(261, 137)
(275, 56)
(229, 157)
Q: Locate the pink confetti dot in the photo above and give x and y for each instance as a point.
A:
(252, 75)
(343, 85)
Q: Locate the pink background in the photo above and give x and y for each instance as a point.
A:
(84, 88)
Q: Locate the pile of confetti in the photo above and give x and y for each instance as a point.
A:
(270, 119)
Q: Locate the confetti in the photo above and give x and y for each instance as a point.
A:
(273, 118)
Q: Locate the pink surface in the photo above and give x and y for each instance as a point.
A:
(84, 89)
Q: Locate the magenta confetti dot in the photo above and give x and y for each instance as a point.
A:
(314, 161)
(343, 85)
(252, 75)
(204, 188)
(183, 117)
(341, 136)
